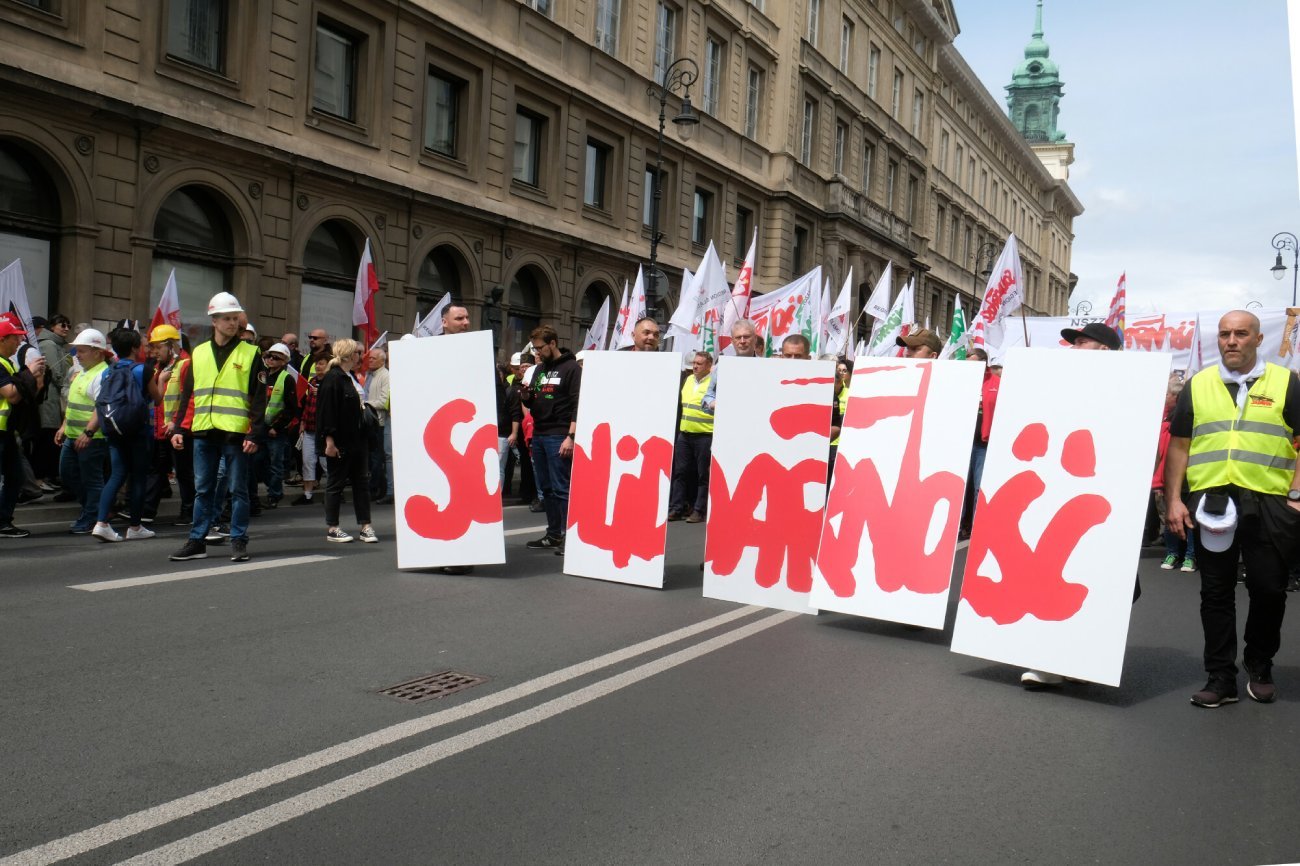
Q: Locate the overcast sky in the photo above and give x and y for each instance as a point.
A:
(1185, 155)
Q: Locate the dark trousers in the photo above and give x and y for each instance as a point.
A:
(159, 484)
(45, 454)
(378, 470)
(11, 476)
(553, 480)
(690, 484)
(1266, 575)
(351, 468)
(130, 461)
(83, 476)
(183, 466)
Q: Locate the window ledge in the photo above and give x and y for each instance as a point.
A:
(442, 162)
(201, 77)
(527, 190)
(599, 214)
(339, 126)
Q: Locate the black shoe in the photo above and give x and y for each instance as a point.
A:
(27, 496)
(456, 569)
(185, 518)
(272, 503)
(303, 499)
(536, 506)
(383, 500)
(1293, 584)
(217, 533)
(11, 531)
(190, 550)
(1260, 683)
(65, 496)
(675, 515)
(1216, 693)
(546, 542)
(239, 550)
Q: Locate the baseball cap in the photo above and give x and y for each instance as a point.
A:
(922, 337)
(1098, 331)
(1216, 530)
(10, 326)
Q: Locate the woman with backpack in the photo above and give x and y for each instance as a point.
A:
(341, 435)
(123, 409)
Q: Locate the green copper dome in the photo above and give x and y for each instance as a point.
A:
(1034, 95)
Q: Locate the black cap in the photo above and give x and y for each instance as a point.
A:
(1099, 331)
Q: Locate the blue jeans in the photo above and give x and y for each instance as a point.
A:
(83, 475)
(11, 476)
(973, 479)
(130, 460)
(208, 456)
(552, 472)
(270, 465)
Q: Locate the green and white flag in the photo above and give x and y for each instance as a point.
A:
(957, 339)
(884, 341)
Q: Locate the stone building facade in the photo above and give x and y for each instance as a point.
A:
(502, 150)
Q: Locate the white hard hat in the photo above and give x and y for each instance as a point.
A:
(92, 339)
(408, 336)
(516, 359)
(223, 302)
(280, 349)
(249, 327)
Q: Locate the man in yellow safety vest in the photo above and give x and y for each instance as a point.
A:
(689, 496)
(225, 380)
(1232, 434)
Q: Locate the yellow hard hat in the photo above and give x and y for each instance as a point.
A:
(162, 333)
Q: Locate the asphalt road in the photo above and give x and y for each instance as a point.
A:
(233, 718)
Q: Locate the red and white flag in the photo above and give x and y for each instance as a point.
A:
(598, 332)
(1005, 290)
(363, 298)
(169, 306)
(1118, 304)
(738, 307)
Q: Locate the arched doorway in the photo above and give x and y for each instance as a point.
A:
(524, 306)
(29, 225)
(329, 279)
(443, 270)
(596, 295)
(192, 237)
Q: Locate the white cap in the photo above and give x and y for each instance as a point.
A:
(1216, 531)
(223, 302)
(92, 339)
(280, 349)
(516, 359)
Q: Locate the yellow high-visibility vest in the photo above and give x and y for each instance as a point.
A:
(694, 418)
(1252, 448)
(843, 401)
(275, 400)
(80, 406)
(221, 396)
(4, 403)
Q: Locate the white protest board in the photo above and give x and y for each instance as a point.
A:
(1058, 528)
(447, 474)
(767, 487)
(622, 464)
(890, 532)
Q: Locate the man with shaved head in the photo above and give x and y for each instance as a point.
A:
(1233, 436)
(455, 319)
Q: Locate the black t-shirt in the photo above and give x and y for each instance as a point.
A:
(1181, 422)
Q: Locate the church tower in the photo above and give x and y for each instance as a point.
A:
(1034, 103)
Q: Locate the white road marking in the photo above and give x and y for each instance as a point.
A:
(234, 568)
(156, 816)
(962, 544)
(525, 530)
(257, 821)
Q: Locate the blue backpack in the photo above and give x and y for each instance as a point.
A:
(122, 407)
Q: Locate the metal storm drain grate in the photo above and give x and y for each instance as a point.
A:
(433, 686)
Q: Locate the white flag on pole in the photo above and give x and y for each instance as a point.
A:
(13, 295)
(837, 319)
(1004, 292)
(432, 324)
(630, 311)
(598, 332)
(901, 314)
(737, 307)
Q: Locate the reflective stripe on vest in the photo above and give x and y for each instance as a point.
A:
(694, 418)
(4, 403)
(172, 395)
(275, 398)
(221, 396)
(80, 406)
(1253, 448)
(843, 401)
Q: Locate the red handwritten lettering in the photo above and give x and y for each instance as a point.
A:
(635, 529)
(471, 500)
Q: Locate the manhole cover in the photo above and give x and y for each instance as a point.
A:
(432, 686)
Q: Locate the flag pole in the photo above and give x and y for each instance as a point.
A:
(1025, 324)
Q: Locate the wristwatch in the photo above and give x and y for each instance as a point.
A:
(1293, 495)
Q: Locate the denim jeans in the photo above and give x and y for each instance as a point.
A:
(973, 479)
(11, 476)
(207, 507)
(503, 454)
(269, 460)
(130, 460)
(553, 481)
(83, 476)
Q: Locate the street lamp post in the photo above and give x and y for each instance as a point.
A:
(679, 75)
(1083, 308)
(986, 254)
(1286, 241)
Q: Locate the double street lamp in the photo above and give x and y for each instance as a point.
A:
(985, 255)
(679, 75)
(1286, 241)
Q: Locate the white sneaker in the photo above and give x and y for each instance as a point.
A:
(368, 535)
(338, 535)
(104, 532)
(138, 533)
(1040, 679)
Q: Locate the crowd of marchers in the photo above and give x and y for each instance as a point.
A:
(118, 422)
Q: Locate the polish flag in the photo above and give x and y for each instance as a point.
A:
(1118, 305)
(741, 293)
(363, 298)
(630, 311)
(169, 306)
